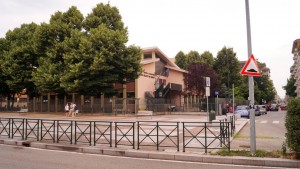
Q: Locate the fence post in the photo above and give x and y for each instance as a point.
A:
(157, 143)
(133, 126)
(228, 141)
(221, 133)
(183, 137)
(94, 134)
(75, 142)
(178, 136)
(110, 135)
(57, 130)
(138, 136)
(38, 129)
(72, 133)
(205, 137)
(91, 133)
(116, 137)
(25, 132)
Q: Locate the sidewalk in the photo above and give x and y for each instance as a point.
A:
(167, 154)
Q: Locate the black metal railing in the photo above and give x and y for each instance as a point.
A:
(157, 134)
(124, 134)
(205, 135)
(83, 132)
(32, 127)
(18, 128)
(48, 130)
(64, 131)
(103, 133)
(5, 127)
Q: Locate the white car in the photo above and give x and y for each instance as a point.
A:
(243, 110)
(262, 109)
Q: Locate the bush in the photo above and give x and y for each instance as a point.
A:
(292, 124)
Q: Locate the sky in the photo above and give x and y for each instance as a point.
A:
(177, 25)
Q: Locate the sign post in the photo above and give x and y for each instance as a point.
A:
(207, 93)
(250, 80)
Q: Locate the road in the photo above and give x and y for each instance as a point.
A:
(12, 157)
(270, 132)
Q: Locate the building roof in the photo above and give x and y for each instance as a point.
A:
(170, 63)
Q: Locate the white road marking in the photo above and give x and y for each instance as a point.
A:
(276, 122)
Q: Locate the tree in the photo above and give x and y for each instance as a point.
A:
(4, 90)
(227, 68)
(290, 88)
(18, 60)
(181, 60)
(193, 57)
(50, 42)
(207, 58)
(263, 89)
(85, 55)
(105, 58)
(194, 80)
(292, 122)
(104, 14)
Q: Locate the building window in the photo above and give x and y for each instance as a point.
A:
(147, 55)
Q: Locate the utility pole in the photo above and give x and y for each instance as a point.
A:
(251, 85)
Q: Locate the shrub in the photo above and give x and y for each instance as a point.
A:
(292, 124)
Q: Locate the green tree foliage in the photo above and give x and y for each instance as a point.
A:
(104, 14)
(19, 58)
(263, 89)
(194, 80)
(85, 55)
(4, 90)
(241, 92)
(50, 41)
(181, 60)
(193, 57)
(207, 58)
(290, 87)
(292, 122)
(228, 68)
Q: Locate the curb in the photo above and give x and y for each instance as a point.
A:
(177, 156)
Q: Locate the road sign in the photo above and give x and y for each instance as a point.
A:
(207, 91)
(251, 68)
(217, 93)
(207, 79)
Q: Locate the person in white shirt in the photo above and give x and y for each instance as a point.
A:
(67, 109)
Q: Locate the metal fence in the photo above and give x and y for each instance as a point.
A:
(117, 106)
(153, 134)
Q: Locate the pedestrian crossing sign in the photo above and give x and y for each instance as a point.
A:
(251, 68)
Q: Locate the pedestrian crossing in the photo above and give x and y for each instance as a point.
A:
(268, 122)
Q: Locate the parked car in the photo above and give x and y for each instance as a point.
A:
(262, 109)
(274, 107)
(243, 110)
(256, 109)
(282, 106)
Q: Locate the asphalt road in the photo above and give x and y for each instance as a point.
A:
(270, 132)
(12, 157)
